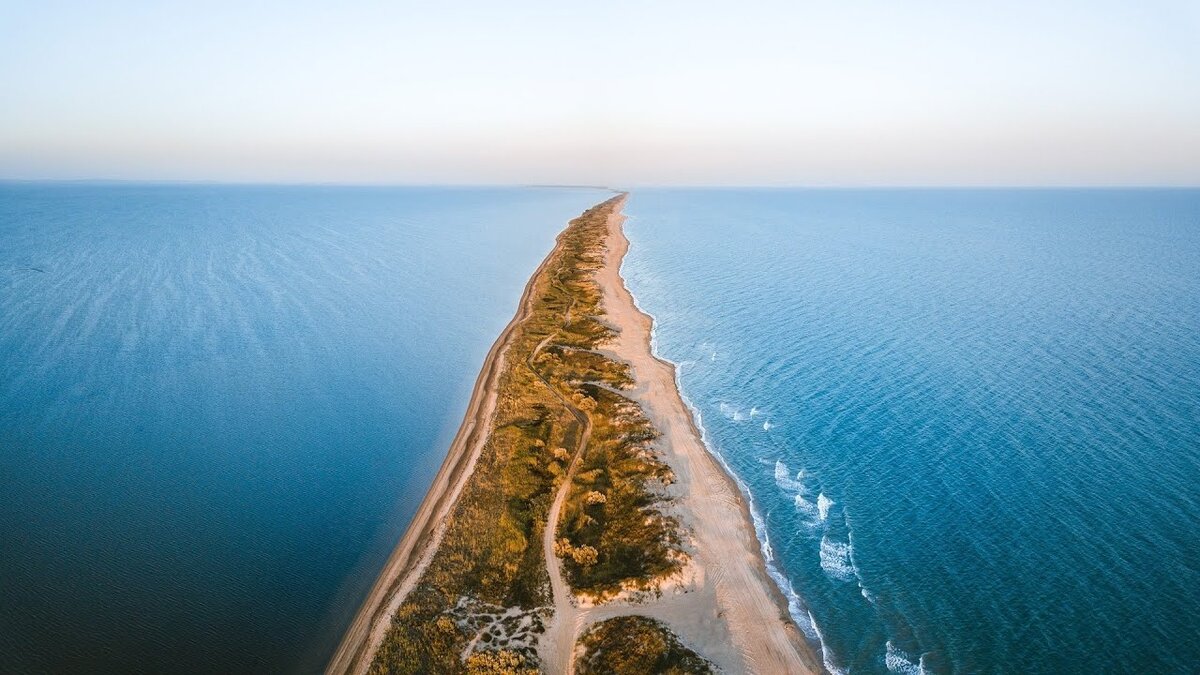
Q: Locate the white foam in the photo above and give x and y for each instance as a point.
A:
(826, 657)
(732, 412)
(806, 507)
(823, 504)
(784, 480)
(829, 665)
(799, 614)
(781, 471)
(835, 559)
(900, 661)
(796, 609)
(802, 618)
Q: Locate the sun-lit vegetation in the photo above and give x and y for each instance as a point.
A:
(611, 534)
(482, 601)
(636, 645)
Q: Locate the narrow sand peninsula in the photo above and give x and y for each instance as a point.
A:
(722, 605)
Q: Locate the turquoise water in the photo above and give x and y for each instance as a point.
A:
(969, 420)
(219, 406)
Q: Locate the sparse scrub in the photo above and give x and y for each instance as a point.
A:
(490, 552)
(613, 505)
(636, 645)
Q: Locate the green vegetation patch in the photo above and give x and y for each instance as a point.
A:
(636, 645)
(613, 534)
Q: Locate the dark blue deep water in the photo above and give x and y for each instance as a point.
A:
(219, 406)
(970, 420)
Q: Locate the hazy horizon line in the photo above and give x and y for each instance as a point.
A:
(591, 186)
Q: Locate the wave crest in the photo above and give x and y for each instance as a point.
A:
(899, 661)
(823, 504)
(836, 560)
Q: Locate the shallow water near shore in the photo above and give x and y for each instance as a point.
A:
(220, 406)
(969, 420)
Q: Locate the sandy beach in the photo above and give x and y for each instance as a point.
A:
(722, 604)
(726, 606)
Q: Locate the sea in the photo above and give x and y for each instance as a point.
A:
(968, 421)
(221, 405)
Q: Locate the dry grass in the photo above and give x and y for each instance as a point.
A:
(552, 380)
(636, 645)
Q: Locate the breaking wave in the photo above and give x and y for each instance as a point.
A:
(900, 661)
(732, 412)
(796, 609)
(806, 507)
(835, 559)
(827, 657)
(783, 478)
(823, 504)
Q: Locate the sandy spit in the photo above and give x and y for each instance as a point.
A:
(724, 605)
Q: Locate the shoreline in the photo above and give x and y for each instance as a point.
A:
(779, 579)
(725, 603)
(420, 540)
(765, 640)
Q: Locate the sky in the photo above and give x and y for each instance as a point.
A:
(614, 93)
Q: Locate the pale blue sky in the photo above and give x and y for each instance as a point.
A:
(626, 93)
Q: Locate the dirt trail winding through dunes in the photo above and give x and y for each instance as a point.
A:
(556, 643)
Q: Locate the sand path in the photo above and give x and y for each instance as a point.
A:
(554, 646)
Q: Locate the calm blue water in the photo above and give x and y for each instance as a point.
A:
(969, 419)
(219, 406)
